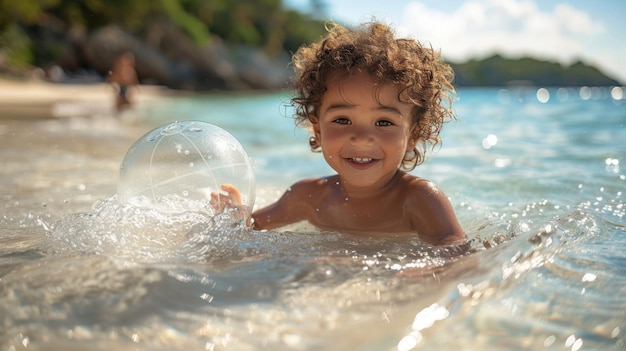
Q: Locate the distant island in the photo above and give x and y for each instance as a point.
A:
(497, 71)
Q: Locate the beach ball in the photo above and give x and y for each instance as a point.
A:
(176, 167)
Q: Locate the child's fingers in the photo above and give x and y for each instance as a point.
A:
(232, 198)
(233, 194)
(217, 201)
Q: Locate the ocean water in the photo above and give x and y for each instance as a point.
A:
(537, 178)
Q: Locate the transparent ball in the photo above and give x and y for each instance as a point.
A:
(177, 167)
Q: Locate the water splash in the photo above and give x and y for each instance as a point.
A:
(136, 233)
(550, 256)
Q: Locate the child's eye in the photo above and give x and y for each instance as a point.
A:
(384, 123)
(341, 120)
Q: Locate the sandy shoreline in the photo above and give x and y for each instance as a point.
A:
(40, 99)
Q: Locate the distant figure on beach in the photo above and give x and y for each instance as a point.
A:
(374, 104)
(123, 77)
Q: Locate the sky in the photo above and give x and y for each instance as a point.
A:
(564, 31)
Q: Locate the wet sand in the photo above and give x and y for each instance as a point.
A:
(40, 99)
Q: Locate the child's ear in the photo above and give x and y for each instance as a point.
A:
(316, 126)
(410, 146)
(412, 142)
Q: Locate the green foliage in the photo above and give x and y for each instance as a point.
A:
(15, 47)
(24, 11)
(191, 24)
(262, 23)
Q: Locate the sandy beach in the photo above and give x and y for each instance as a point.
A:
(40, 99)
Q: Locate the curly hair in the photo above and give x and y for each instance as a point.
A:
(424, 79)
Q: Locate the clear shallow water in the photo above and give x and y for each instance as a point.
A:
(541, 184)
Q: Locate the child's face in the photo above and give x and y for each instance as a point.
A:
(364, 130)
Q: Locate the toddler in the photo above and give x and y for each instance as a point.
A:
(374, 103)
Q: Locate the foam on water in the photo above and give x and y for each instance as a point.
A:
(141, 234)
(545, 272)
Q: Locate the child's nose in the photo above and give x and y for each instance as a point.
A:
(361, 135)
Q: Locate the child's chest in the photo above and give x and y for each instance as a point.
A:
(352, 215)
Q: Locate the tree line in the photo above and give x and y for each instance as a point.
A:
(266, 24)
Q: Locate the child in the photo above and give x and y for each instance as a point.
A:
(373, 103)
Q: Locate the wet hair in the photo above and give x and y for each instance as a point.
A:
(424, 79)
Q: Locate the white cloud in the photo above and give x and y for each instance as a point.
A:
(577, 22)
(510, 27)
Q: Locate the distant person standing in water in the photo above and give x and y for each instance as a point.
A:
(123, 77)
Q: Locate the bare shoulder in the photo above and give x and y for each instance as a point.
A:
(310, 183)
(432, 214)
(424, 190)
(307, 190)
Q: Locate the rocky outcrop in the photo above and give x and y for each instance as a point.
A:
(167, 56)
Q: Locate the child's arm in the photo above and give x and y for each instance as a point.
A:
(290, 208)
(433, 216)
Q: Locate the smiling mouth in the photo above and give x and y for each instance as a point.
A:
(360, 159)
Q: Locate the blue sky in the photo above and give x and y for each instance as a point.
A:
(564, 31)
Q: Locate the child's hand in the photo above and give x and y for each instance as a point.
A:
(230, 201)
(221, 201)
